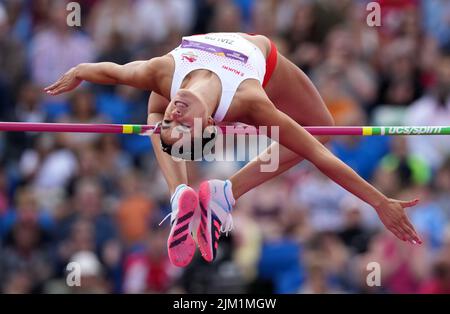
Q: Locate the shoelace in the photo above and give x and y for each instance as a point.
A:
(165, 218)
(227, 225)
(171, 212)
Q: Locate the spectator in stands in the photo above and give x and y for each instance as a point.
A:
(150, 270)
(135, 209)
(82, 110)
(432, 109)
(87, 206)
(27, 252)
(56, 47)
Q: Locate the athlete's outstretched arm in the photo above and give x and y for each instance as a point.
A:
(293, 136)
(139, 74)
(174, 172)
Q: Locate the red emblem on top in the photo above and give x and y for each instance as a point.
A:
(191, 57)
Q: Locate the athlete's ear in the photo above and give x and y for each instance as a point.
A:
(211, 121)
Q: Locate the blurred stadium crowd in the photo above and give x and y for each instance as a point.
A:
(97, 199)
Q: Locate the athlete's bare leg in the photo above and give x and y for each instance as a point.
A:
(303, 103)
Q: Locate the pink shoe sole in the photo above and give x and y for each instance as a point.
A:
(208, 224)
(180, 244)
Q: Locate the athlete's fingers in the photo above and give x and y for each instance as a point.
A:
(409, 234)
(411, 230)
(54, 85)
(50, 87)
(54, 88)
(398, 233)
(406, 204)
(57, 90)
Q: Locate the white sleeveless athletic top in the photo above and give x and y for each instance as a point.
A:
(229, 55)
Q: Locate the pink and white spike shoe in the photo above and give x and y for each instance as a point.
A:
(216, 203)
(180, 244)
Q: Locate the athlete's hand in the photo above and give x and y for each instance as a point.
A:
(65, 83)
(393, 216)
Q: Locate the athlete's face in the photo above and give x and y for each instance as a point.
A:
(182, 112)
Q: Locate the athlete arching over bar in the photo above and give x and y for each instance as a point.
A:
(232, 77)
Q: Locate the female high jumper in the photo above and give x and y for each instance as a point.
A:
(231, 77)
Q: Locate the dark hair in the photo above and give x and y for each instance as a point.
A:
(194, 153)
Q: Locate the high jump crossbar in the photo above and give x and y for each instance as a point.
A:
(228, 129)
